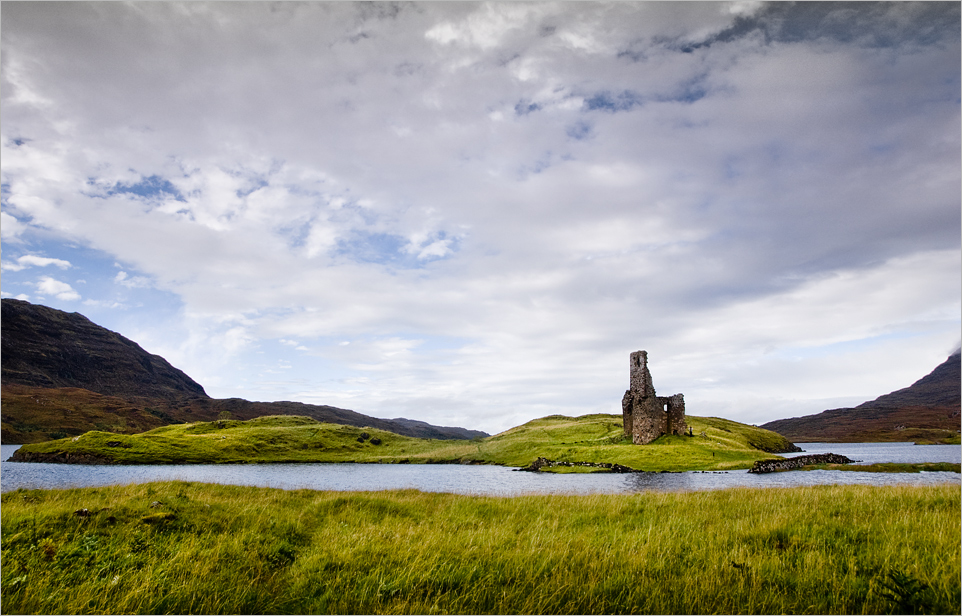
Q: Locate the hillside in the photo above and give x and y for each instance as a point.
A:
(47, 348)
(33, 415)
(927, 411)
(63, 375)
(717, 444)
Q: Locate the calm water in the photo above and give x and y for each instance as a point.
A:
(488, 480)
(871, 453)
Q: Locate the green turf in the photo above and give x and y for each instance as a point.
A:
(716, 444)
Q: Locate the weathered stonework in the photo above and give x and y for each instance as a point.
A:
(647, 415)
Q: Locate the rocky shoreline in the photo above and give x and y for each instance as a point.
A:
(61, 457)
(603, 467)
(787, 464)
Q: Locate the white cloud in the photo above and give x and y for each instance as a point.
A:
(60, 290)
(485, 28)
(745, 8)
(26, 261)
(496, 203)
(10, 227)
(111, 305)
(131, 282)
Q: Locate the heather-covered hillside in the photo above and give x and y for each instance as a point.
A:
(927, 411)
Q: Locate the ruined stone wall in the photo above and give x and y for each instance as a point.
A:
(648, 420)
(647, 416)
(640, 383)
(676, 415)
(627, 403)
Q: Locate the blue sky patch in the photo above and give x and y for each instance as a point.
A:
(148, 187)
(396, 250)
(689, 92)
(524, 107)
(384, 248)
(613, 102)
(579, 130)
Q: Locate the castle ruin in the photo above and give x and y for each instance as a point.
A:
(646, 415)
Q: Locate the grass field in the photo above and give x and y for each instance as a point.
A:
(716, 444)
(194, 548)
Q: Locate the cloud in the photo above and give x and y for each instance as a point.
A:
(10, 227)
(105, 304)
(509, 198)
(485, 28)
(60, 290)
(26, 261)
(135, 282)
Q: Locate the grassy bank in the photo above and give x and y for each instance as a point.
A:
(716, 444)
(890, 467)
(194, 548)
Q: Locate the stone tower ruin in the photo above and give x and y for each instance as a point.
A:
(646, 415)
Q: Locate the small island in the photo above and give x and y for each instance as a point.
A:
(715, 444)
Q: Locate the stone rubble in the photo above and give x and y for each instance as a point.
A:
(787, 464)
(605, 467)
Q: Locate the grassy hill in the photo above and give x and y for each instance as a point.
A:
(716, 444)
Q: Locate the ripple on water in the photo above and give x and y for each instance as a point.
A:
(487, 480)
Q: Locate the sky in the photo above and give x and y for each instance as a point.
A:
(472, 213)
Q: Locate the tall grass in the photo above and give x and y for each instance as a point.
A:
(196, 548)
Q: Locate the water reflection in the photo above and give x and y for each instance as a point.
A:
(488, 480)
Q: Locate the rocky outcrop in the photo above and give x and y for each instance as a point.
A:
(604, 467)
(60, 457)
(788, 447)
(772, 466)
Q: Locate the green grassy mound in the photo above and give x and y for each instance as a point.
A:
(180, 548)
(716, 444)
(280, 438)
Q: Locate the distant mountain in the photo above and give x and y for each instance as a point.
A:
(44, 347)
(63, 375)
(421, 425)
(926, 411)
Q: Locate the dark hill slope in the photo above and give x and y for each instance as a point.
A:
(244, 409)
(926, 411)
(44, 347)
(414, 424)
(63, 375)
